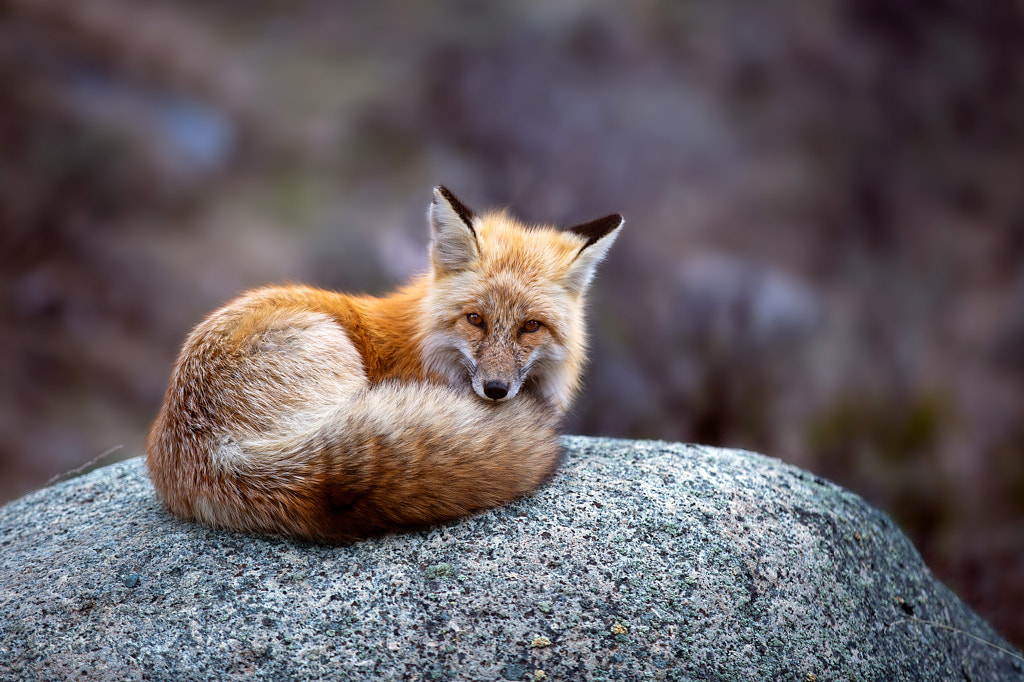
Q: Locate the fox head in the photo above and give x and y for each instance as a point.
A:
(505, 305)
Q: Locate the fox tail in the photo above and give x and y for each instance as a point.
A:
(392, 456)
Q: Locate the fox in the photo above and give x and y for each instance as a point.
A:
(333, 417)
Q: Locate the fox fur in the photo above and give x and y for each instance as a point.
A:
(308, 413)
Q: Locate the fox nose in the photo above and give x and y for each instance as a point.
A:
(495, 390)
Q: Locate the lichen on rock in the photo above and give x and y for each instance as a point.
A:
(640, 560)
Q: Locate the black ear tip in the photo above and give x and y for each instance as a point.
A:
(464, 212)
(596, 229)
(446, 194)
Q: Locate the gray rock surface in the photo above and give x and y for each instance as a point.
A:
(642, 560)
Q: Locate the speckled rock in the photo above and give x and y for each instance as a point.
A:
(641, 560)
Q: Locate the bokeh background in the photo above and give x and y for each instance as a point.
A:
(823, 258)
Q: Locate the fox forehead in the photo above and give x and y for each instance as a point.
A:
(508, 299)
(507, 245)
(520, 272)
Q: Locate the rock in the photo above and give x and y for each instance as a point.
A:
(641, 560)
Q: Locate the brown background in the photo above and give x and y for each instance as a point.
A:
(823, 258)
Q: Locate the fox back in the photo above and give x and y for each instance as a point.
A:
(309, 413)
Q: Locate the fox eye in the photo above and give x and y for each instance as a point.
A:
(531, 326)
(475, 320)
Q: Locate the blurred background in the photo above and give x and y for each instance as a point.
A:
(823, 258)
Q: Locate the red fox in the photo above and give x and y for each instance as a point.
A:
(332, 417)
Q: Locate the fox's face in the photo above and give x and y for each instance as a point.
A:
(506, 305)
(504, 332)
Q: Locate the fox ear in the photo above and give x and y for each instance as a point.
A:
(599, 234)
(452, 237)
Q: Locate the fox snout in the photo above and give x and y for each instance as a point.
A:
(494, 389)
(497, 374)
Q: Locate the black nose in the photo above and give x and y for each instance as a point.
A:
(495, 390)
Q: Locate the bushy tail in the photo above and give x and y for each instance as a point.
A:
(396, 455)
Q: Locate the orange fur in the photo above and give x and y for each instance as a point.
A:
(316, 414)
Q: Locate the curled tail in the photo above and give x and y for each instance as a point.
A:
(394, 455)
